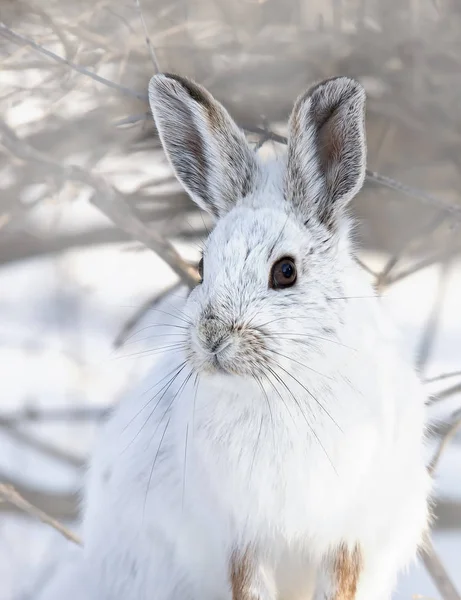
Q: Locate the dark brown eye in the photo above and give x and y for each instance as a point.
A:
(200, 268)
(283, 273)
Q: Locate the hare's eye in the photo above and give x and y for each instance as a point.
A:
(283, 273)
(200, 268)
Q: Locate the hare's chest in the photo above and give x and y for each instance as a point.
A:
(264, 489)
(281, 483)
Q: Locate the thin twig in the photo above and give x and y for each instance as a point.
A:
(18, 38)
(10, 428)
(442, 376)
(365, 267)
(430, 329)
(422, 234)
(438, 573)
(54, 415)
(140, 313)
(148, 41)
(109, 201)
(130, 120)
(445, 440)
(453, 210)
(438, 257)
(9, 494)
(444, 394)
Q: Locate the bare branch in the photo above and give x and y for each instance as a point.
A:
(438, 573)
(130, 120)
(39, 445)
(446, 439)
(430, 330)
(422, 234)
(365, 267)
(423, 264)
(109, 201)
(21, 39)
(442, 377)
(444, 394)
(453, 210)
(16, 248)
(148, 41)
(140, 313)
(54, 415)
(9, 494)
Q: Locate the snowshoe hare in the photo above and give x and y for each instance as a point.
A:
(279, 452)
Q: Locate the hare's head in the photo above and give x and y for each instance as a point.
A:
(279, 254)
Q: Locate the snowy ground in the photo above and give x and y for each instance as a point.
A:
(60, 316)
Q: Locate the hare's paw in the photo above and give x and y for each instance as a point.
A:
(249, 578)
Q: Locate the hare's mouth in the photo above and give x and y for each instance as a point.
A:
(220, 349)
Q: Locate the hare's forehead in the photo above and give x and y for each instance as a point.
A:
(257, 231)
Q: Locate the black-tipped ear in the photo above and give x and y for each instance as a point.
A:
(208, 152)
(326, 149)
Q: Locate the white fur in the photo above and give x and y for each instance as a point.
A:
(333, 455)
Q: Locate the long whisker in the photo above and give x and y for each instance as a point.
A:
(288, 334)
(153, 351)
(256, 445)
(181, 317)
(263, 389)
(196, 382)
(309, 392)
(176, 369)
(351, 297)
(166, 325)
(180, 390)
(290, 358)
(258, 380)
(157, 335)
(311, 429)
(276, 377)
(290, 318)
(166, 388)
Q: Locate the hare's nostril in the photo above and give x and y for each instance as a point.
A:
(214, 335)
(220, 345)
(213, 346)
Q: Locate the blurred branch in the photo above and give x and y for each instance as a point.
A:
(365, 267)
(9, 494)
(10, 428)
(442, 377)
(422, 234)
(19, 246)
(140, 313)
(444, 394)
(423, 264)
(148, 42)
(430, 330)
(446, 439)
(53, 415)
(453, 210)
(438, 573)
(108, 200)
(17, 38)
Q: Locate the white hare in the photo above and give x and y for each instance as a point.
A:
(280, 453)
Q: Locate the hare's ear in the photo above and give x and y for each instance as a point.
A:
(326, 149)
(208, 152)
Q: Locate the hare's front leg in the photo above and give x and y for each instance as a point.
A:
(249, 578)
(338, 579)
(356, 573)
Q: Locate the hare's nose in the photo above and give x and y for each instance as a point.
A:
(213, 334)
